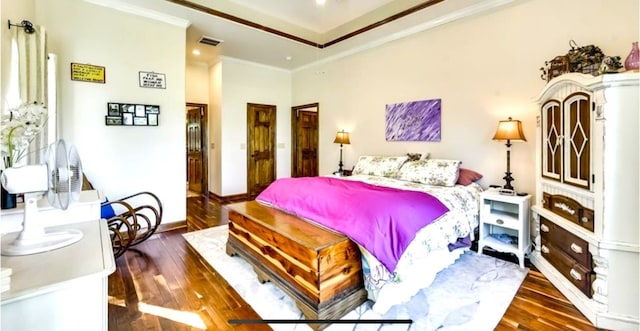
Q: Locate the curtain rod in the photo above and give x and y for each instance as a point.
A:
(28, 26)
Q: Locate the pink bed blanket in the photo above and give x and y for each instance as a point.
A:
(383, 220)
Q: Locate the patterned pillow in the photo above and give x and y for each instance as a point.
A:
(384, 166)
(431, 172)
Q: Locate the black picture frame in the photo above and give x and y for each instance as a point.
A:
(113, 109)
(113, 120)
(127, 118)
(152, 119)
(132, 114)
(140, 121)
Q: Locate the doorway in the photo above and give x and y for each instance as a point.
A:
(196, 158)
(304, 140)
(261, 143)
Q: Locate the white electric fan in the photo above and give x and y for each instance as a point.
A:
(60, 178)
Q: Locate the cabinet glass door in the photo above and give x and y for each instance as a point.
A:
(552, 140)
(577, 140)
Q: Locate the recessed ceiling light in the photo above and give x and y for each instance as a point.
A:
(288, 58)
(196, 52)
(320, 2)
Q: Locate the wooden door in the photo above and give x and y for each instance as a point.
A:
(196, 156)
(261, 143)
(304, 140)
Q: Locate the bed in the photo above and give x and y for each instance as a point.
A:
(432, 247)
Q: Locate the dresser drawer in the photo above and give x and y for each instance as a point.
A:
(569, 209)
(576, 273)
(569, 243)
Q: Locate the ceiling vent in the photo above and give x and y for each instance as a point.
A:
(209, 41)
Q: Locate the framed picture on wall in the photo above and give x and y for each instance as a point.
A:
(152, 119)
(113, 120)
(132, 114)
(127, 108)
(140, 112)
(152, 109)
(140, 120)
(413, 121)
(127, 119)
(113, 109)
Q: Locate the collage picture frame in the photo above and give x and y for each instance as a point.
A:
(131, 114)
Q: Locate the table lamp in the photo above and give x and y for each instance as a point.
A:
(509, 130)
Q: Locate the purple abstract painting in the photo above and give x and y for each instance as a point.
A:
(413, 121)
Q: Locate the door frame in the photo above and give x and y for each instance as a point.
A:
(294, 136)
(204, 130)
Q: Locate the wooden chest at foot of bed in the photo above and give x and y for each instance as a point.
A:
(320, 269)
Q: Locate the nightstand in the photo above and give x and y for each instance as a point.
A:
(504, 223)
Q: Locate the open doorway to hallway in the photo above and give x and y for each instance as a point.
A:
(196, 149)
(304, 140)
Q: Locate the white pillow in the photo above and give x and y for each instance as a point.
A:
(431, 171)
(383, 166)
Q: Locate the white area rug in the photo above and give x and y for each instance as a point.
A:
(472, 294)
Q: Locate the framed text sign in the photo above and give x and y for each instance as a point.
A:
(87, 73)
(152, 80)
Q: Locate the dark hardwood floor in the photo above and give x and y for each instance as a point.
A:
(163, 284)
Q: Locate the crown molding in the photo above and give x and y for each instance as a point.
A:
(476, 9)
(143, 12)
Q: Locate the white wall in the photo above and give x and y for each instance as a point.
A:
(484, 68)
(246, 82)
(197, 83)
(215, 128)
(121, 160)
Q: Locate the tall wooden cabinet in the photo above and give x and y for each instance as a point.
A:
(586, 213)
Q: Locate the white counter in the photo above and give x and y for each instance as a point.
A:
(86, 208)
(64, 289)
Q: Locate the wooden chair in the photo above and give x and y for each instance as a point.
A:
(131, 220)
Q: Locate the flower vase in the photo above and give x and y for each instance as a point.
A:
(632, 63)
(9, 200)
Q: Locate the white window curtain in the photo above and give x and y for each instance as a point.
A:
(28, 82)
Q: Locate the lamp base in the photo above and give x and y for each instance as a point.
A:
(508, 179)
(340, 164)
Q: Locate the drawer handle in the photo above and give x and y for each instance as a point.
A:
(544, 249)
(584, 219)
(544, 228)
(576, 248)
(575, 275)
(499, 221)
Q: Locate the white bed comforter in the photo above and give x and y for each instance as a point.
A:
(428, 253)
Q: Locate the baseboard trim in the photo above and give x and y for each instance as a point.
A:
(171, 226)
(229, 198)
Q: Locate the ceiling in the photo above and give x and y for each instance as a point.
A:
(291, 34)
(310, 15)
